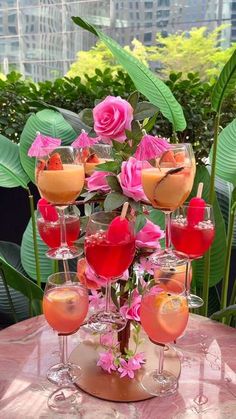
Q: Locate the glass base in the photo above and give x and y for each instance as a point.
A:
(63, 253)
(161, 385)
(167, 259)
(65, 400)
(194, 301)
(103, 322)
(63, 375)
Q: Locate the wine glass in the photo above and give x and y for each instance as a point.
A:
(109, 250)
(164, 316)
(65, 306)
(48, 224)
(192, 233)
(167, 183)
(174, 273)
(60, 178)
(96, 154)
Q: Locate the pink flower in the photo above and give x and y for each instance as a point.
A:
(96, 300)
(97, 182)
(130, 178)
(109, 339)
(132, 311)
(146, 265)
(149, 236)
(43, 145)
(112, 117)
(87, 276)
(140, 358)
(83, 140)
(128, 367)
(106, 361)
(151, 147)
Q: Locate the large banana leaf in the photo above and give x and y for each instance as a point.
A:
(14, 272)
(27, 255)
(48, 122)
(219, 245)
(224, 194)
(225, 83)
(11, 170)
(145, 81)
(226, 154)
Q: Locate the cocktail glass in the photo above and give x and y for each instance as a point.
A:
(50, 229)
(60, 179)
(174, 273)
(109, 255)
(164, 316)
(167, 184)
(65, 305)
(96, 154)
(192, 233)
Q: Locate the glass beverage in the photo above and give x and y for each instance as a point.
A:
(94, 155)
(192, 233)
(60, 179)
(65, 306)
(168, 182)
(109, 252)
(164, 316)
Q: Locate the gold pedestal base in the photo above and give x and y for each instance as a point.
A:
(103, 385)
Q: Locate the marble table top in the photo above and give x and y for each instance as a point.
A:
(207, 386)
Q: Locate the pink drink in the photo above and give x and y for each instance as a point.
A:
(192, 240)
(106, 258)
(163, 316)
(50, 231)
(65, 308)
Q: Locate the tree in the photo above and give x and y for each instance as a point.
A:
(195, 51)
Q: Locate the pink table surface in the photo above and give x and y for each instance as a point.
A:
(207, 386)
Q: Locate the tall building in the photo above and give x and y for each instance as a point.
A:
(39, 39)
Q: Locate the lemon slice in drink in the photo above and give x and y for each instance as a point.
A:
(62, 296)
(172, 314)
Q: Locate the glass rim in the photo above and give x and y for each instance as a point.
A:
(193, 206)
(65, 274)
(102, 212)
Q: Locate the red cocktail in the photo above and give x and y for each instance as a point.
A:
(50, 232)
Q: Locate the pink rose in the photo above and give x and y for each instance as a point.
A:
(112, 117)
(149, 236)
(97, 182)
(132, 311)
(130, 178)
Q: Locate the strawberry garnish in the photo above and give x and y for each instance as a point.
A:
(168, 157)
(93, 158)
(47, 210)
(54, 162)
(85, 154)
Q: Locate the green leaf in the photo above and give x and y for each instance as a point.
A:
(113, 183)
(114, 200)
(48, 122)
(150, 123)
(225, 83)
(110, 166)
(27, 255)
(86, 115)
(224, 313)
(133, 99)
(11, 170)
(219, 244)
(14, 273)
(140, 222)
(226, 195)
(226, 154)
(145, 81)
(144, 110)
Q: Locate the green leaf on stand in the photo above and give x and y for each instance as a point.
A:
(47, 122)
(225, 196)
(133, 99)
(86, 115)
(146, 82)
(150, 123)
(110, 166)
(87, 210)
(89, 196)
(226, 313)
(114, 200)
(14, 273)
(28, 258)
(145, 110)
(225, 83)
(218, 247)
(11, 170)
(113, 183)
(226, 154)
(140, 222)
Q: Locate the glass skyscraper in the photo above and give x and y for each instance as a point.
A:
(39, 39)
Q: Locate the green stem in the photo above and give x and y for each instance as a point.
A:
(207, 262)
(225, 283)
(233, 295)
(36, 253)
(8, 295)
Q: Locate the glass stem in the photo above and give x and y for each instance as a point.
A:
(167, 230)
(187, 278)
(63, 349)
(161, 359)
(108, 297)
(62, 226)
